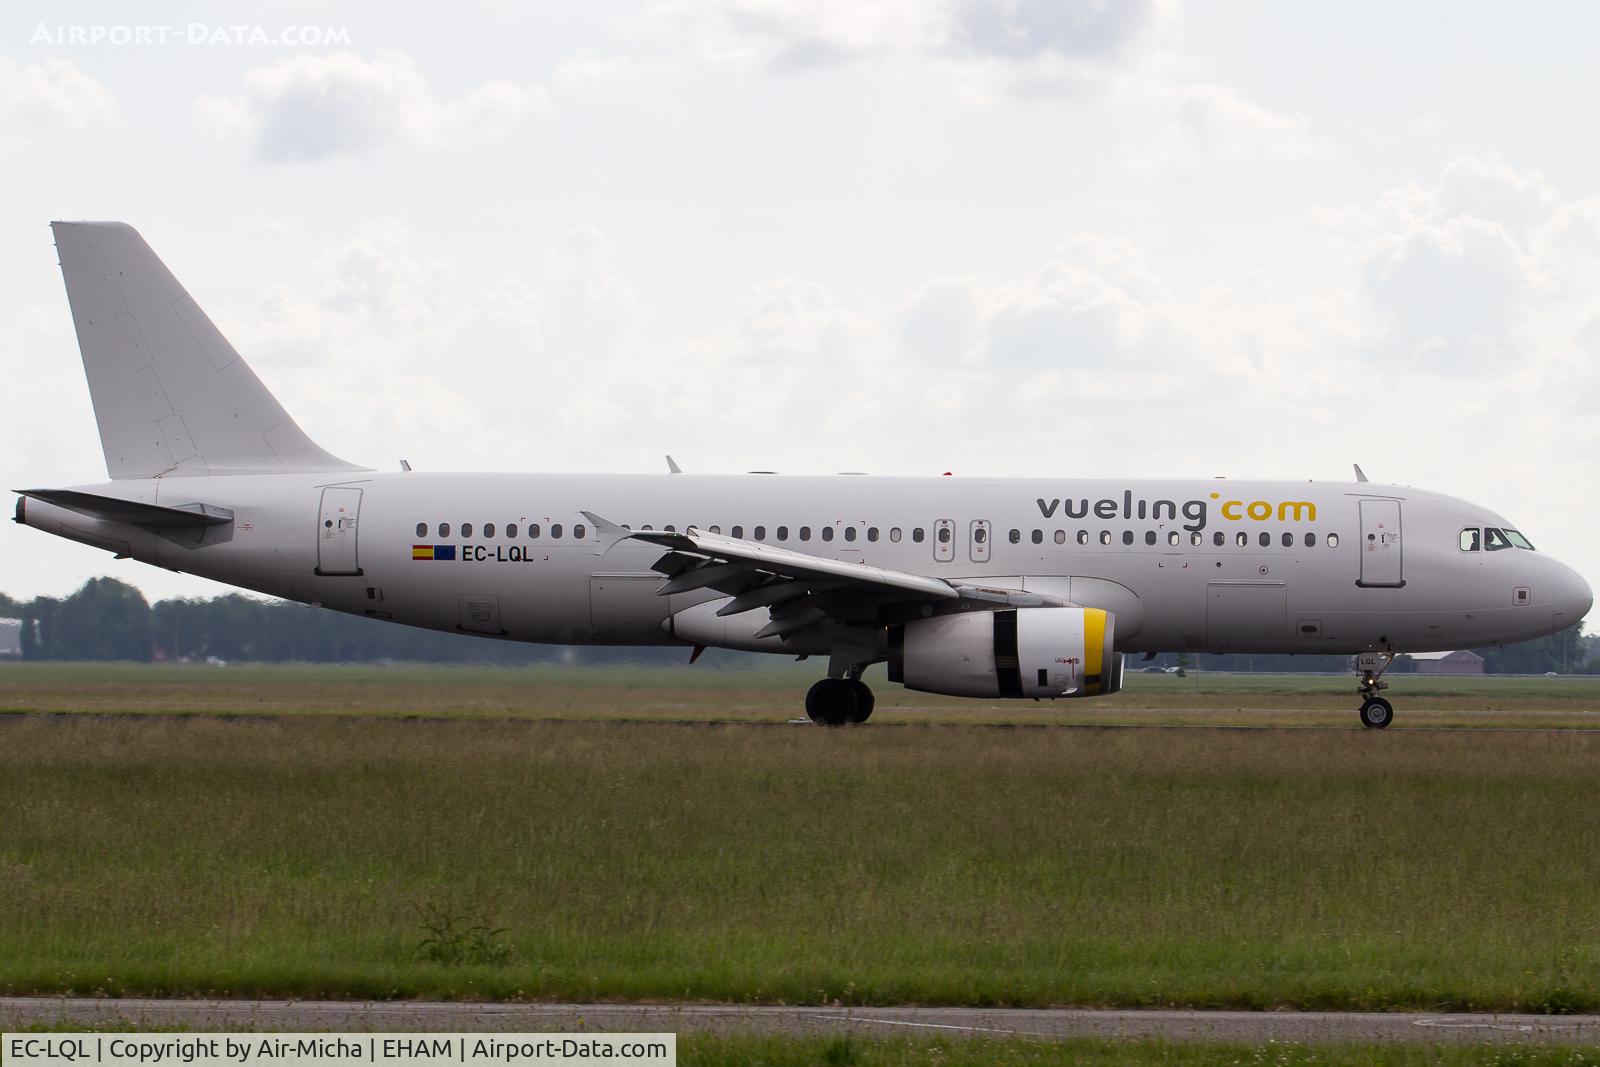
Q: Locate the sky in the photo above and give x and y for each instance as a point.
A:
(1052, 238)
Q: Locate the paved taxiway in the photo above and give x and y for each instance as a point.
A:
(1044, 1023)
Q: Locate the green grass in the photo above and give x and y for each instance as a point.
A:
(770, 693)
(304, 856)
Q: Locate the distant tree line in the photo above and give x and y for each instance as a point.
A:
(110, 620)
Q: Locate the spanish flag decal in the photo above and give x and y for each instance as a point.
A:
(421, 551)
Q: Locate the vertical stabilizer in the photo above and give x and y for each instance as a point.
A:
(170, 393)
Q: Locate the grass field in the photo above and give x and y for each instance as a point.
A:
(309, 855)
(771, 693)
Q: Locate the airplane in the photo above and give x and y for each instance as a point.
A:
(976, 587)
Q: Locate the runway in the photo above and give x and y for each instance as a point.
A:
(1038, 1023)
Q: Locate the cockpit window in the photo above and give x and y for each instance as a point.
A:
(1494, 540)
(1518, 540)
(1470, 538)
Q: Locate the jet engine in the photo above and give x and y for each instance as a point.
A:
(1027, 652)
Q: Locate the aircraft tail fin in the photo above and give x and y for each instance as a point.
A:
(170, 394)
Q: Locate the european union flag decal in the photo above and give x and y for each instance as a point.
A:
(444, 552)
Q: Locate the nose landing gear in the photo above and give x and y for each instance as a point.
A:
(1376, 712)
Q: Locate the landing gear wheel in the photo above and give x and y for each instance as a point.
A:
(1377, 713)
(831, 702)
(864, 701)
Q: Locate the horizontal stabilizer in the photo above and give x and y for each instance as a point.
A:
(133, 512)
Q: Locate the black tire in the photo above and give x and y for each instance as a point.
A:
(1377, 713)
(864, 701)
(831, 702)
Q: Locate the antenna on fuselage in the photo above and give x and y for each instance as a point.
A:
(672, 466)
(1361, 475)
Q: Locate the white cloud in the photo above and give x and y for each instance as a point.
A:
(39, 101)
(1027, 47)
(589, 72)
(1214, 125)
(314, 106)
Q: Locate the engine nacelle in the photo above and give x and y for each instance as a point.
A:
(1027, 652)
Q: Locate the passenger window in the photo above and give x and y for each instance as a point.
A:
(1015, 537)
(1127, 537)
(1105, 537)
(715, 529)
(944, 534)
(1311, 540)
(1288, 539)
(1149, 537)
(980, 535)
(533, 531)
(444, 529)
(737, 531)
(849, 533)
(760, 533)
(1494, 540)
(827, 533)
(647, 526)
(1265, 539)
(511, 529)
(670, 528)
(1333, 540)
(1061, 537)
(578, 531)
(466, 529)
(1038, 537)
(1172, 538)
(805, 533)
(916, 534)
(1219, 538)
(422, 529)
(783, 533)
(488, 529)
(872, 533)
(1196, 539)
(1470, 539)
(894, 533)
(1242, 539)
(555, 529)
(1083, 537)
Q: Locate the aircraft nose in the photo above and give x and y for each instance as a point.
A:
(1572, 598)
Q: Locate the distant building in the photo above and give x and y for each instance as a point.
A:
(1459, 662)
(10, 639)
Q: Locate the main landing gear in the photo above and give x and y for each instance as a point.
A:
(836, 701)
(1376, 712)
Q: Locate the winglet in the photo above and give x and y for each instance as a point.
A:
(610, 533)
(1361, 475)
(672, 466)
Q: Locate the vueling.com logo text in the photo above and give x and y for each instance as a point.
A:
(1195, 511)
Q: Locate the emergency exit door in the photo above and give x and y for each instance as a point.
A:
(1381, 550)
(336, 532)
(978, 541)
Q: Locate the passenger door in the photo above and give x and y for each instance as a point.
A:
(1381, 551)
(336, 532)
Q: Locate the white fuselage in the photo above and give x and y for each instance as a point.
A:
(1185, 565)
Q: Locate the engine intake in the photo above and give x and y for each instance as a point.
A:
(1028, 652)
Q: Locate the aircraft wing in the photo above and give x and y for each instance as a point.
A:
(797, 588)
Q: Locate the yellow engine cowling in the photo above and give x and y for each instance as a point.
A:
(1028, 652)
